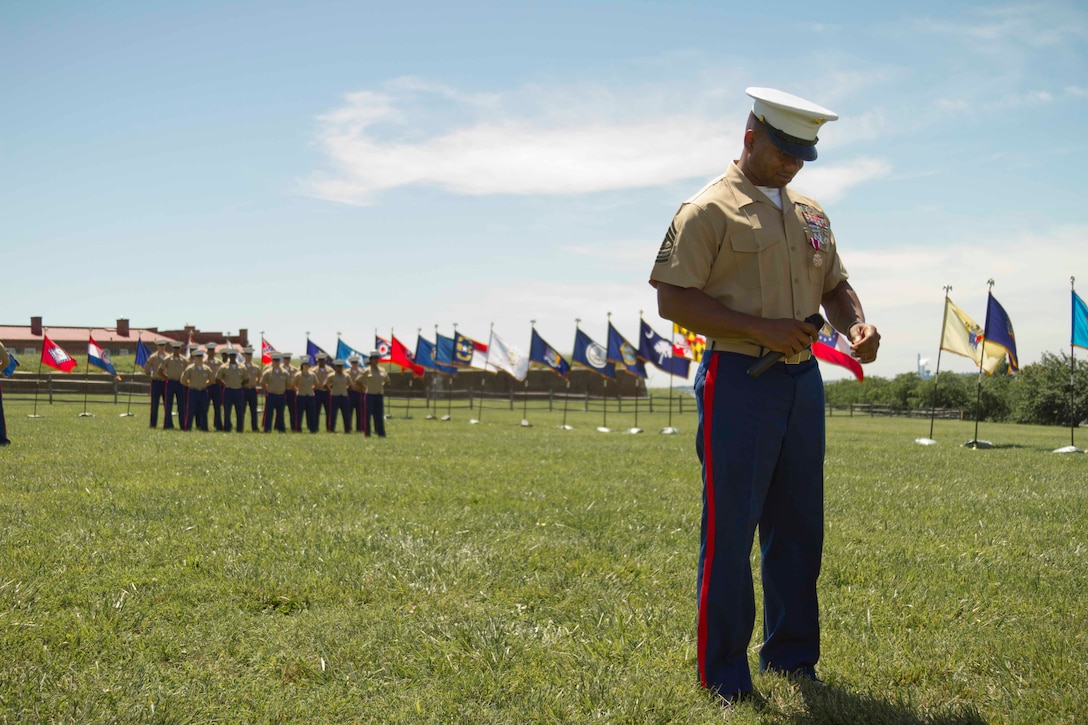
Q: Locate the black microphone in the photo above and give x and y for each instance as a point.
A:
(764, 364)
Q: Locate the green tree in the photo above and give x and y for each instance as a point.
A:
(1043, 392)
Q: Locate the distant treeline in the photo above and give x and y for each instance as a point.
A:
(1038, 394)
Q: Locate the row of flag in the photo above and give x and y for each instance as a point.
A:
(988, 345)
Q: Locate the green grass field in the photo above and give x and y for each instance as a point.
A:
(498, 574)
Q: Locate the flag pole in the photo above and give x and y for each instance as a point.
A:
(936, 375)
(128, 410)
(86, 380)
(427, 393)
(38, 377)
(603, 428)
(566, 396)
(483, 380)
(1072, 447)
(975, 442)
(525, 399)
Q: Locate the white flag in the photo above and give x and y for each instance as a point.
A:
(501, 356)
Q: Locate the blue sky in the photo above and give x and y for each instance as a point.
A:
(337, 166)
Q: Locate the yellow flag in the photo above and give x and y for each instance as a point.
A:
(963, 336)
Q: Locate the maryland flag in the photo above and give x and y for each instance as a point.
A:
(687, 344)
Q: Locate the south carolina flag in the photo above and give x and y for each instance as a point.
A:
(100, 358)
(833, 347)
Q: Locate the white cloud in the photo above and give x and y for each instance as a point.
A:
(830, 183)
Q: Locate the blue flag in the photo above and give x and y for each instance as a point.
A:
(542, 353)
(425, 356)
(443, 350)
(590, 355)
(624, 354)
(344, 351)
(312, 350)
(12, 364)
(142, 353)
(659, 351)
(998, 330)
(1080, 322)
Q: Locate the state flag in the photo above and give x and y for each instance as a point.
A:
(1080, 323)
(509, 359)
(687, 343)
(345, 351)
(425, 356)
(591, 355)
(833, 347)
(13, 362)
(998, 331)
(312, 350)
(660, 352)
(400, 355)
(143, 353)
(542, 353)
(468, 352)
(266, 351)
(623, 353)
(100, 358)
(444, 352)
(55, 357)
(963, 336)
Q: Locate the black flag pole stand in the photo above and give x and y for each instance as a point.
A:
(566, 401)
(128, 410)
(86, 381)
(975, 443)
(669, 430)
(936, 376)
(635, 429)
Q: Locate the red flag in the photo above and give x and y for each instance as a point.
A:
(266, 352)
(833, 347)
(55, 357)
(399, 355)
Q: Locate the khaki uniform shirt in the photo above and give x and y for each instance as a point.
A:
(232, 376)
(212, 364)
(172, 367)
(153, 367)
(254, 375)
(290, 374)
(197, 376)
(734, 244)
(338, 383)
(322, 374)
(305, 382)
(5, 359)
(353, 375)
(374, 380)
(275, 380)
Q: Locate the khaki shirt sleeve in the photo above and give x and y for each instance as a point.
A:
(690, 246)
(5, 359)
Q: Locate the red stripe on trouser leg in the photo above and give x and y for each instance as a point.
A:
(708, 484)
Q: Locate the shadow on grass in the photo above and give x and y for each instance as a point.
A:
(829, 705)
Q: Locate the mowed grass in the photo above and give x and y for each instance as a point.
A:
(498, 574)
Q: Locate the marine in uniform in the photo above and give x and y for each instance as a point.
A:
(321, 394)
(215, 390)
(274, 381)
(338, 384)
(153, 368)
(196, 378)
(171, 369)
(355, 394)
(744, 262)
(304, 384)
(249, 390)
(374, 379)
(290, 396)
(5, 360)
(233, 378)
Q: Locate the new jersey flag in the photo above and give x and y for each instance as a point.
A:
(589, 354)
(507, 358)
(999, 331)
(1080, 322)
(833, 347)
(544, 354)
(963, 336)
(100, 358)
(660, 352)
(55, 357)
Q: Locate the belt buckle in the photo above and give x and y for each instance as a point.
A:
(800, 357)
